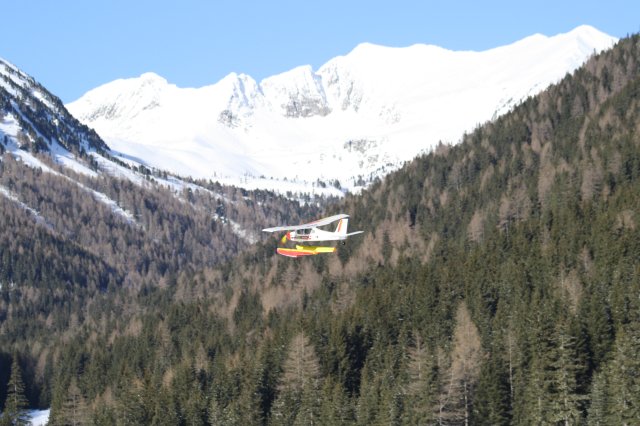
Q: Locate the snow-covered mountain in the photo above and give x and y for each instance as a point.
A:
(357, 115)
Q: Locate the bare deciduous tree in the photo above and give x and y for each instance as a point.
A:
(458, 379)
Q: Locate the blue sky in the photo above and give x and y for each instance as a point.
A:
(72, 46)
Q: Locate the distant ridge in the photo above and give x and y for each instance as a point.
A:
(358, 115)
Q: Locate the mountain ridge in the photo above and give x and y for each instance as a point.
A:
(297, 124)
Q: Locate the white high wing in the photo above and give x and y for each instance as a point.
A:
(309, 232)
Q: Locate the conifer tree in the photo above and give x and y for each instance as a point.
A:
(245, 408)
(164, 411)
(300, 385)
(392, 402)
(535, 403)
(15, 406)
(566, 401)
(336, 407)
(128, 407)
(625, 377)
(75, 411)
(368, 404)
(600, 398)
(216, 413)
(422, 386)
(492, 401)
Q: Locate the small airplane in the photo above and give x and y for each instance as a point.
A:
(309, 232)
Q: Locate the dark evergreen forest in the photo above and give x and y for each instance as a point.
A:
(497, 282)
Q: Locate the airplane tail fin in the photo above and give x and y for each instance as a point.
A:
(341, 229)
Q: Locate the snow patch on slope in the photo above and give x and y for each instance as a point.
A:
(12, 197)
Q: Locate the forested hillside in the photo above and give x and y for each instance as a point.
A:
(497, 282)
(75, 248)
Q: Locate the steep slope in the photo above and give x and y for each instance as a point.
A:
(34, 120)
(358, 116)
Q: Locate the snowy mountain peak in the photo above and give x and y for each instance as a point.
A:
(584, 39)
(391, 103)
(149, 78)
(124, 99)
(297, 93)
(588, 34)
(244, 91)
